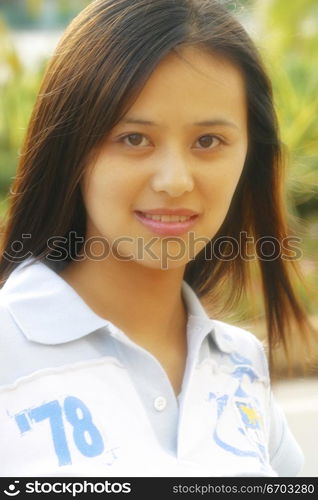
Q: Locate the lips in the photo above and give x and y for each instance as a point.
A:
(165, 228)
(168, 211)
(166, 218)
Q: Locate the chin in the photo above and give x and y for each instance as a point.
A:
(162, 264)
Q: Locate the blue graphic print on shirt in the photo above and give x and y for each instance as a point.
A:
(86, 436)
(248, 408)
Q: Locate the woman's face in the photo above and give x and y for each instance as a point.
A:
(182, 145)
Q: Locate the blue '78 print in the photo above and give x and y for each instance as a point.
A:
(87, 437)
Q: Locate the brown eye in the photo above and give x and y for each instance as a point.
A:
(133, 139)
(208, 141)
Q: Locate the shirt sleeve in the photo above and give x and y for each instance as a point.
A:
(286, 456)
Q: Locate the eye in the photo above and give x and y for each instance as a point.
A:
(209, 141)
(137, 139)
(133, 139)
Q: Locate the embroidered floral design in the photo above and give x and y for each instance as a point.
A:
(248, 410)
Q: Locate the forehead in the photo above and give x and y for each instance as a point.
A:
(192, 82)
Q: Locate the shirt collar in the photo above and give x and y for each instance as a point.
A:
(49, 311)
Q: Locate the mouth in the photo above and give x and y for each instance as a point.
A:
(167, 224)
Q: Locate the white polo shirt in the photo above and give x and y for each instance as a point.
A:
(79, 398)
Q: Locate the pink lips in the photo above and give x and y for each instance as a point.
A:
(169, 211)
(167, 228)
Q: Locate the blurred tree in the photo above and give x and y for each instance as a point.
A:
(18, 86)
(9, 60)
(34, 7)
(11, 110)
(48, 14)
(288, 37)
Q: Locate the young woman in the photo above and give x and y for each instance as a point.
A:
(152, 149)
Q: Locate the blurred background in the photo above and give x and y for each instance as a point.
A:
(287, 35)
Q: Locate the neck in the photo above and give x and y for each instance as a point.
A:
(145, 303)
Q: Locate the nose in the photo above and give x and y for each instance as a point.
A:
(173, 175)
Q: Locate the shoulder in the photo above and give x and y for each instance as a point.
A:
(13, 344)
(242, 343)
(7, 322)
(238, 337)
(286, 456)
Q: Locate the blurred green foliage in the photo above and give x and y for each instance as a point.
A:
(18, 83)
(287, 33)
(18, 89)
(40, 14)
(287, 36)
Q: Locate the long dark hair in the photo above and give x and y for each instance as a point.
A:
(100, 66)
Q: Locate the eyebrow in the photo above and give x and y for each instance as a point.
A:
(205, 123)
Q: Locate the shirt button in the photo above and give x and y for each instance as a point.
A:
(160, 403)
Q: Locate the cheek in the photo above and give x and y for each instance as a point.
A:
(222, 172)
(219, 185)
(107, 199)
(219, 188)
